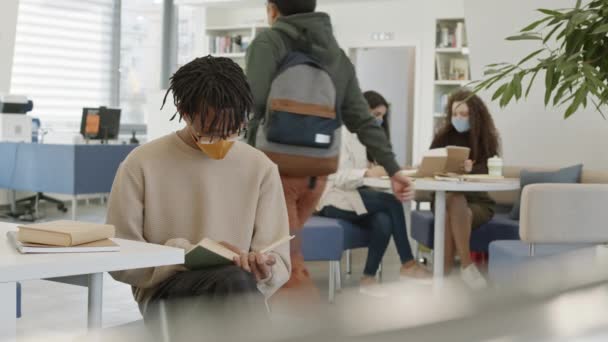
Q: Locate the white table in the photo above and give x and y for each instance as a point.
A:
(82, 269)
(441, 188)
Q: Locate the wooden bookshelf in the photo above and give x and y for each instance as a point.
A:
(452, 64)
(231, 41)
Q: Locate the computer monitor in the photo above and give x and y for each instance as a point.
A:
(100, 123)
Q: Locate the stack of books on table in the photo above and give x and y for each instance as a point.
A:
(64, 237)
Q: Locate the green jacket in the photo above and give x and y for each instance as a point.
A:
(268, 49)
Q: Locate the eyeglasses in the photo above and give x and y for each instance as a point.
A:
(210, 136)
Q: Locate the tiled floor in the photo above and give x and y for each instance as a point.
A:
(52, 308)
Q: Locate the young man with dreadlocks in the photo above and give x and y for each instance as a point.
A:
(201, 182)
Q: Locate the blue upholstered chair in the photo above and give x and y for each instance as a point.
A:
(326, 239)
(501, 227)
(323, 240)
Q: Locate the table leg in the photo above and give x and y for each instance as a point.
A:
(74, 207)
(13, 201)
(8, 312)
(95, 285)
(439, 242)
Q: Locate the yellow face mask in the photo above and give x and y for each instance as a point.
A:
(217, 149)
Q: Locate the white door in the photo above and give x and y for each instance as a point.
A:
(391, 71)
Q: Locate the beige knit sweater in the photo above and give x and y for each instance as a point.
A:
(166, 191)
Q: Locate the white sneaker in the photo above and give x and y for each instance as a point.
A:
(473, 278)
(373, 290)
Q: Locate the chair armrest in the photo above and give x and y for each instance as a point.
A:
(564, 213)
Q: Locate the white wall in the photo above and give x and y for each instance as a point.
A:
(531, 134)
(8, 26)
(412, 22)
(158, 120)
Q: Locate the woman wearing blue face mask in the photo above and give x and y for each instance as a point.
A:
(346, 198)
(469, 124)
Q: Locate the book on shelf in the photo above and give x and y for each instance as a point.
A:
(442, 67)
(450, 35)
(459, 35)
(443, 103)
(449, 68)
(228, 44)
(459, 69)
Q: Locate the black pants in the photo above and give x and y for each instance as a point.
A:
(385, 218)
(204, 302)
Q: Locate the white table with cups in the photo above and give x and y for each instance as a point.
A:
(441, 188)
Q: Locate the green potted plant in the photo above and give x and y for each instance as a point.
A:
(573, 54)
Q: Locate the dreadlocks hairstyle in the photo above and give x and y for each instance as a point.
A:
(484, 138)
(216, 84)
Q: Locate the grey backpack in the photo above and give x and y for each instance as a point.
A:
(300, 129)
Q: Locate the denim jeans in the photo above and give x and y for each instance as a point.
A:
(385, 218)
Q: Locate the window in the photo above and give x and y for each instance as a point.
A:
(140, 59)
(65, 58)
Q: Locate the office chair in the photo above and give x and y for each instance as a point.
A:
(32, 208)
(35, 200)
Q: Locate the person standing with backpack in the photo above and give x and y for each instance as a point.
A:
(304, 88)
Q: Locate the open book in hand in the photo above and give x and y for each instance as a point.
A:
(210, 253)
(441, 160)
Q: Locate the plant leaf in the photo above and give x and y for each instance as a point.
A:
(526, 36)
(495, 65)
(535, 24)
(497, 78)
(531, 82)
(507, 96)
(598, 106)
(560, 93)
(579, 18)
(491, 72)
(590, 73)
(499, 91)
(581, 94)
(530, 56)
(601, 29)
(549, 83)
(551, 33)
(516, 84)
(550, 12)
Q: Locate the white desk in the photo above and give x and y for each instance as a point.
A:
(441, 188)
(82, 269)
